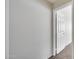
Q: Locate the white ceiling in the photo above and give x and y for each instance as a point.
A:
(51, 1)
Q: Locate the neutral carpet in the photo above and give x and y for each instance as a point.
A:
(65, 54)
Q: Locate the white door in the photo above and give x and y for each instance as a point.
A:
(64, 27)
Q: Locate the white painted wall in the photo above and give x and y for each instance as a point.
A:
(30, 30)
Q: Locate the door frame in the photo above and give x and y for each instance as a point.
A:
(55, 27)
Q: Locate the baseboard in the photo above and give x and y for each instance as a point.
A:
(51, 57)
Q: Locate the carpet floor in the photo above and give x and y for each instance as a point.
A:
(65, 54)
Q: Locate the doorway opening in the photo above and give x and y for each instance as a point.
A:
(63, 27)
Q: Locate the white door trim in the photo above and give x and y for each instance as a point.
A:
(55, 28)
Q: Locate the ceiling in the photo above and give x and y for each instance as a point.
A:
(51, 1)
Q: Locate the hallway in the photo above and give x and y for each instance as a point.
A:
(65, 54)
(38, 29)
